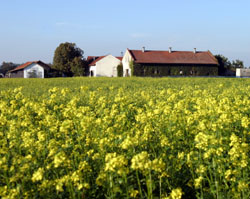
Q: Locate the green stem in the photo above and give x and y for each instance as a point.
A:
(160, 187)
(139, 183)
(126, 184)
(111, 186)
(149, 186)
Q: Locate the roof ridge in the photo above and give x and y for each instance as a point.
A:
(211, 55)
(190, 51)
(26, 64)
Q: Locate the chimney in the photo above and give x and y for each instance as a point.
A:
(194, 50)
(170, 50)
(143, 49)
(122, 54)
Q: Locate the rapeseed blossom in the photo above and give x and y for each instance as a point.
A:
(175, 194)
(38, 175)
(126, 138)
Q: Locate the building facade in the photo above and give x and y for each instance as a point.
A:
(34, 69)
(169, 63)
(103, 66)
(242, 72)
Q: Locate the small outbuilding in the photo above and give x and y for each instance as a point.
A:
(32, 69)
(105, 66)
(242, 72)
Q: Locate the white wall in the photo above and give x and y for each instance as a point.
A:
(107, 66)
(242, 72)
(34, 67)
(93, 69)
(125, 62)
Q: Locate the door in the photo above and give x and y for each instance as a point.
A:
(91, 73)
(126, 74)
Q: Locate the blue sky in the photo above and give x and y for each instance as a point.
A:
(32, 29)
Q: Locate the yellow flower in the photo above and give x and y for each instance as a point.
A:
(228, 173)
(38, 175)
(243, 186)
(175, 194)
(201, 140)
(59, 159)
(134, 193)
(115, 162)
(197, 182)
(245, 121)
(141, 161)
(201, 169)
(59, 186)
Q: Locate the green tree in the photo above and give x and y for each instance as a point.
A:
(224, 64)
(132, 67)
(237, 64)
(120, 70)
(68, 58)
(7, 66)
(78, 66)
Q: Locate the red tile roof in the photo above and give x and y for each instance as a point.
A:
(175, 57)
(93, 59)
(120, 58)
(22, 66)
(89, 58)
(29, 63)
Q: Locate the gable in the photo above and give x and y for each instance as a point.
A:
(93, 60)
(34, 66)
(127, 56)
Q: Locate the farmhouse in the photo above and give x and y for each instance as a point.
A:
(103, 65)
(33, 69)
(169, 63)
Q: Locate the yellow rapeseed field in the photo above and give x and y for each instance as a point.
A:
(164, 138)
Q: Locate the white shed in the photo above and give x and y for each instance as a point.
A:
(242, 72)
(34, 69)
(105, 66)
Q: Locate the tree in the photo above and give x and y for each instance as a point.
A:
(224, 64)
(7, 66)
(78, 66)
(131, 66)
(120, 70)
(237, 64)
(227, 68)
(68, 58)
